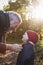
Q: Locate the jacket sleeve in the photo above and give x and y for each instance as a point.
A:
(2, 48)
(26, 62)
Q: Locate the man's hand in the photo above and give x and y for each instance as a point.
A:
(16, 47)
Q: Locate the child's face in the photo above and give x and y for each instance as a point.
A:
(25, 38)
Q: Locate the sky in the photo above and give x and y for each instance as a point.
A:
(4, 2)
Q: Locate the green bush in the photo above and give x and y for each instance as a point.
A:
(38, 53)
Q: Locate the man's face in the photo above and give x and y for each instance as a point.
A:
(15, 20)
(14, 26)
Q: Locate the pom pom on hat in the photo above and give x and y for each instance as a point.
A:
(33, 36)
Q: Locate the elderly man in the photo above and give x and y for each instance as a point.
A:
(8, 21)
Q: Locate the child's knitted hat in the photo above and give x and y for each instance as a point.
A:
(32, 36)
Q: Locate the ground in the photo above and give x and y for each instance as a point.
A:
(9, 58)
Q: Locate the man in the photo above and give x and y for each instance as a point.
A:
(9, 21)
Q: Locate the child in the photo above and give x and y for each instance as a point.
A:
(26, 56)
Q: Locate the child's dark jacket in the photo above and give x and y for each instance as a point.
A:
(26, 56)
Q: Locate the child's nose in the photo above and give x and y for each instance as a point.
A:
(23, 35)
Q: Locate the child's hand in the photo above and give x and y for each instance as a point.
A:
(16, 47)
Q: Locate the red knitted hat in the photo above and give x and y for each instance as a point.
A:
(33, 36)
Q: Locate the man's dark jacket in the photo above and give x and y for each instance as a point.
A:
(26, 56)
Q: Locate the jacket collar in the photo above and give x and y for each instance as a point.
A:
(31, 42)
